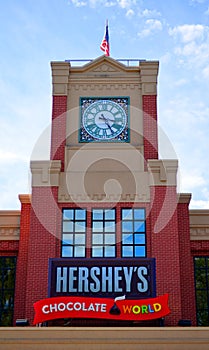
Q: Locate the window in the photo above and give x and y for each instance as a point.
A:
(201, 268)
(7, 285)
(103, 233)
(74, 233)
(133, 233)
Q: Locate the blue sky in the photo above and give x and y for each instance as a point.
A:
(33, 33)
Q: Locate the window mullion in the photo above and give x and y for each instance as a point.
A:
(101, 227)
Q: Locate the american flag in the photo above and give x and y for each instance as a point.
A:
(105, 46)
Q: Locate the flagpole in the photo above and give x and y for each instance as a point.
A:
(105, 46)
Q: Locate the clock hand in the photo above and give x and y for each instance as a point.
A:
(109, 126)
(104, 118)
(106, 122)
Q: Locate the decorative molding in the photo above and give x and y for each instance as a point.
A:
(162, 172)
(149, 73)
(45, 173)
(149, 89)
(9, 225)
(104, 67)
(60, 89)
(98, 197)
(9, 233)
(60, 76)
(199, 233)
(184, 198)
(199, 224)
(25, 198)
(87, 86)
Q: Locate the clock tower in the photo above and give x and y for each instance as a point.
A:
(105, 197)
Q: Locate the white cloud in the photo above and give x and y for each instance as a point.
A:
(94, 3)
(8, 157)
(150, 13)
(130, 13)
(202, 203)
(198, 1)
(185, 119)
(151, 26)
(14, 180)
(79, 3)
(206, 72)
(180, 82)
(192, 46)
(154, 24)
(199, 204)
(109, 3)
(125, 4)
(191, 181)
(188, 32)
(164, 59)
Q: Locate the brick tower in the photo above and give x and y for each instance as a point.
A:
(104, 162)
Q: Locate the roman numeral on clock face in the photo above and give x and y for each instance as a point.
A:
(94, 128)
(90, 117)
(100, 108)
(116, 127)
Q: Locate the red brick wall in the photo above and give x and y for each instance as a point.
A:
(186, 265)
(22, 262)
(199, 248)
(9, 248)
(58, 133)
(149, 103)
(44, 226)
(165, 248)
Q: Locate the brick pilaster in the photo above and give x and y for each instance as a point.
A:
(150, 127)
(22, 260)
(186, 263)
(165, 248)
(42, 244)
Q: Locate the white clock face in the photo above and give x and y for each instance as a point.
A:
(104, 120)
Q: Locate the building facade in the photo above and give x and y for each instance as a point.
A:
(104, 218)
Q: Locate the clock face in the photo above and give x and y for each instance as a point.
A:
(104, 119)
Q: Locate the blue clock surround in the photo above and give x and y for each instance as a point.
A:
(122, 102)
